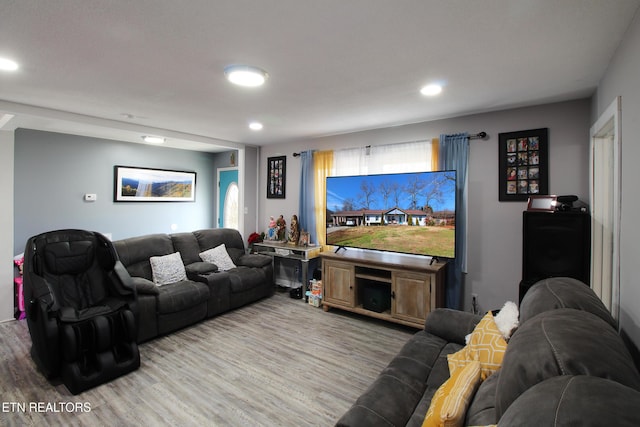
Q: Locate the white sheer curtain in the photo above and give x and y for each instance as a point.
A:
(402, 157)
(350, 161)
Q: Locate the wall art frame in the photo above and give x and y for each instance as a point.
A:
(276, 177)
(138, 184)
(523, 164)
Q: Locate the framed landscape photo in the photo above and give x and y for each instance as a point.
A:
(134, 184)
(523, 169)
(276, 177)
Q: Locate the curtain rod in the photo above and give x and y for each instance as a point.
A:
(479, 135)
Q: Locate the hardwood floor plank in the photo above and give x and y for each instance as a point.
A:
(278, 362)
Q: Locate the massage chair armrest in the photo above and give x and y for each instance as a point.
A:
(39, 294)
(451, 325)
(44, 331)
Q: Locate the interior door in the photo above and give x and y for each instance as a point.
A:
(228, 198)
(605, 188)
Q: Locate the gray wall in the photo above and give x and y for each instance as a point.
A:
(249, 214)
(621, 79)
(495, 228)
(53, 171)
(6, 226)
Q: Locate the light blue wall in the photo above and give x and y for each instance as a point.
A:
(53, 172)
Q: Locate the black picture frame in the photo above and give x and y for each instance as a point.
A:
(276, 177)
(523, 164)
(162, 185)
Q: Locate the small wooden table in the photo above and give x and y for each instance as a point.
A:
(306, 256)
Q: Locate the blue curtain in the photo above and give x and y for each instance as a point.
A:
(306, 216)
(454, 155)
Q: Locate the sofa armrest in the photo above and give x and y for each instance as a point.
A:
(451, 325)
(144, 286)
(201, 267)
(254, 260)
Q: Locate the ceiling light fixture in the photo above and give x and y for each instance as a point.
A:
(245, 75)
(8, 65)
(153, 139)
(431, 90)
(255, 126)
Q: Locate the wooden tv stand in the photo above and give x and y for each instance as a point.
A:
(414, 285)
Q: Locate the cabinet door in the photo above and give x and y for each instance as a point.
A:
(338, 279)
(411, 296)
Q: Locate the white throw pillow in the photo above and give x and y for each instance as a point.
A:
(218, 256)
(167, 269)
(507, 319)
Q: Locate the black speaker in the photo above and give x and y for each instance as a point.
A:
(555, 244)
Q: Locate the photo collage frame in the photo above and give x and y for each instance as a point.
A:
(523, 164)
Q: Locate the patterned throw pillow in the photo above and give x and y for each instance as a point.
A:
(450, 402)
(218, 256)
(167, 269)
(486, 345)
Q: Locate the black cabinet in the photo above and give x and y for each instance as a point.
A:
(555, 244)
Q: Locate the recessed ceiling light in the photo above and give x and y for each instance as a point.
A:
(7, 64)
(431, 90)
(245, 75)
(153, 139)
(255, 126)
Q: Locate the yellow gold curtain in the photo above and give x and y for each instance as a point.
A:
(322, 165)
(435, 143)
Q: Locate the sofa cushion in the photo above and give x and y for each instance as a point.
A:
(451, 325)
(182, 295)
(187, 245)
(575, 400)
(167, 269)
(218, 256)
(134, 252)
(438, 375)
(486, 345)
(212, 237)
(235, 254)
(564, 341)
(254, 260)
(245, 278)
(451, 400)
(562, 292)
(482, 410)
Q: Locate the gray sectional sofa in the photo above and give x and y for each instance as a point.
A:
(206, 290)
(566, 364)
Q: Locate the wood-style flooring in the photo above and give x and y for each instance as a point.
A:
(277, 362)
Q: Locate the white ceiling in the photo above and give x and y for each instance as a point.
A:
(121, 69)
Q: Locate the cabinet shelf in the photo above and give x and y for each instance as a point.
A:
(373, 278)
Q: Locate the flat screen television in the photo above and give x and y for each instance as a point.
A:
(412, 213)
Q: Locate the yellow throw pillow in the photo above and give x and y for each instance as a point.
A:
(450, 402)
(486, 345)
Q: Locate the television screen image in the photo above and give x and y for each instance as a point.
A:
(411, 213)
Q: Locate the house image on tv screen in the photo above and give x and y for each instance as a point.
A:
(393, 216)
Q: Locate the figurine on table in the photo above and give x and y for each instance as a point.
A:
(294, 230)
(272, 231)
(281, 225)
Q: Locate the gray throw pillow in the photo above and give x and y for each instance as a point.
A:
(218, 256)
(167, 269)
